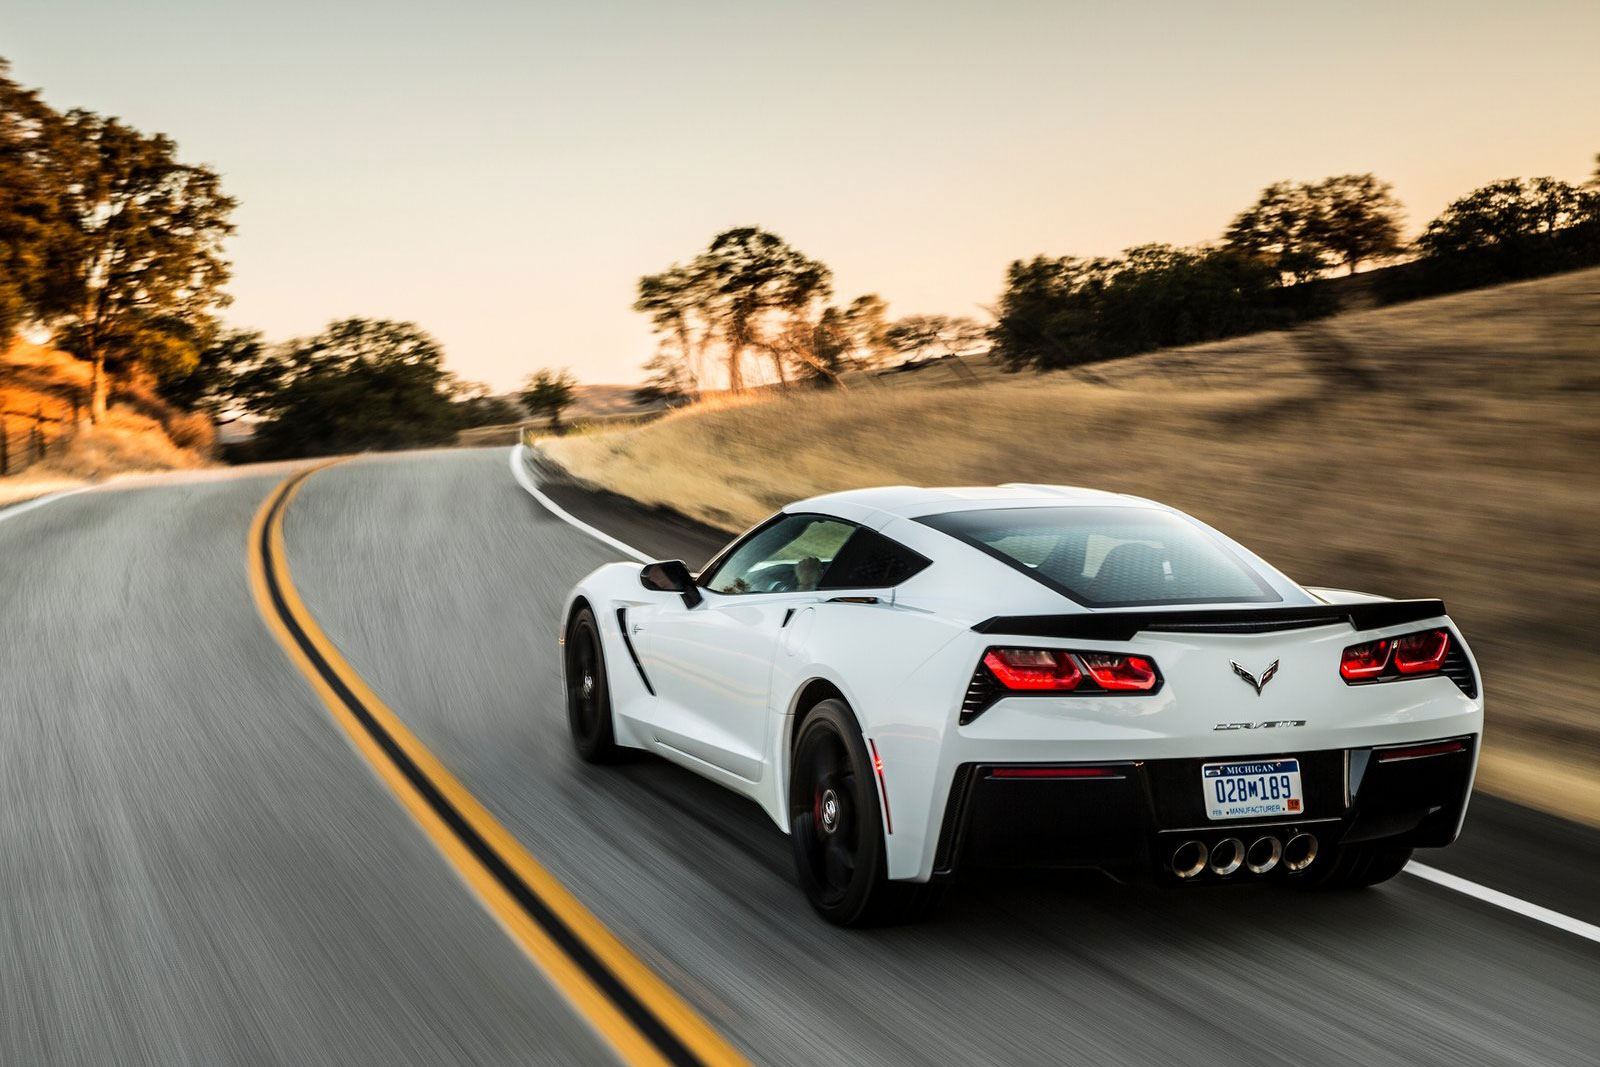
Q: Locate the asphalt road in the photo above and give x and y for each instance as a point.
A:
(197, 867)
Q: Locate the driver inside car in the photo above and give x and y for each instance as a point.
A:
(807, 573)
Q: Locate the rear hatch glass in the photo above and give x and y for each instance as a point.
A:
(1111, 557)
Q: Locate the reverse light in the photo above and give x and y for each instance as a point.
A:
(1036, 669)
(1119, 672)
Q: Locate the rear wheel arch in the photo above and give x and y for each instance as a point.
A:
(810, 695)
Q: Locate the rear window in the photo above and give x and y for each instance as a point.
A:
(1111, 557)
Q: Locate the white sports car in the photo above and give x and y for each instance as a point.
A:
(915, 682)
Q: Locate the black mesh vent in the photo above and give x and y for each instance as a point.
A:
(1458, 670)
(982, 691)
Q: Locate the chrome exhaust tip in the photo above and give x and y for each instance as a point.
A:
(1227, 856)
(1189, 859)
(1263, 855)
(1299, 852)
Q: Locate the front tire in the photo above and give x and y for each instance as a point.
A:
(589, 692)
(835, 826)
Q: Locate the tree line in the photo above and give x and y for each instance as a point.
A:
(751, 295)
(114, 246)
(1270, 267)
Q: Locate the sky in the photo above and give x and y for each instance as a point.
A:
(501, 172)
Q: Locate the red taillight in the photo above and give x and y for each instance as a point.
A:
(1119, 672)
(1421, 653)
(1033, 668)
(1436, 748)
(1393, 658)
(1364, 661)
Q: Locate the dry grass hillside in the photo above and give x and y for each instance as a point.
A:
(1449, 447)
(45, 449)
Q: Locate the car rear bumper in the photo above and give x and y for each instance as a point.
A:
(1130, 820)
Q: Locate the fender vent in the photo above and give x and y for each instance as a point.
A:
(982, 691)
(1458, 670)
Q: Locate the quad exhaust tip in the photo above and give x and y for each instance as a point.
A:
(1299, 852)
(1263, 855)
(1227, 856)
(1189, 859)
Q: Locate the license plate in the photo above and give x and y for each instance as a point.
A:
(1252, 790)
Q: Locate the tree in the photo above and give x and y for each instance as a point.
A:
(136, 256)
(1354, 218)
(678, 301)
(28, 209)
(862, 330)
(1513, 212)
(476, 406)
(218, 382)
(1274, 229)
(1515, 228)
(1305, 229)
(1061, 312)
(360, 384)
(548, 393)
(667, 381)
(753, 273)
(749, 291)
(916, 336)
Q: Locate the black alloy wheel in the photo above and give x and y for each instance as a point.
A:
(836, 826)
(588, 694)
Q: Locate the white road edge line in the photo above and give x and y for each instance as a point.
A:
(519, 471)
(1582, 929)
(38, 502)
(1510, 903)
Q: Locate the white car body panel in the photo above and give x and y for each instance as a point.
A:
(730, 673)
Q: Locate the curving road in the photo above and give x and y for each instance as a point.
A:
(197, 865)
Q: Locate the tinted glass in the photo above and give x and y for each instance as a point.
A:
(1111, 557)
(870, 560)
(789, 555)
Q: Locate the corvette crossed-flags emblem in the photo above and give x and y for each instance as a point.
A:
(1250, 679)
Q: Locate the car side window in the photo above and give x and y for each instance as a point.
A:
(870, 560)
(790, 555)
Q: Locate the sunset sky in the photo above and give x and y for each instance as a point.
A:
(502, 172)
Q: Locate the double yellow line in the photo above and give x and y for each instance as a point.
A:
(644, 1020)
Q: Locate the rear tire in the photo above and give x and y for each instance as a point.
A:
(589, 692)
(1360, 866)
(836, 827)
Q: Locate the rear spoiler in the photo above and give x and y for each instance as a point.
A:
(1122, 625)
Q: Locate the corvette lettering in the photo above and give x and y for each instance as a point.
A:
(1269, 725)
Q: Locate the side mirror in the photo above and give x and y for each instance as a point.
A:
(671, 576)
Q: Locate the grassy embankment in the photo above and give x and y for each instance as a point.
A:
(37, 381)
(1449, 447)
